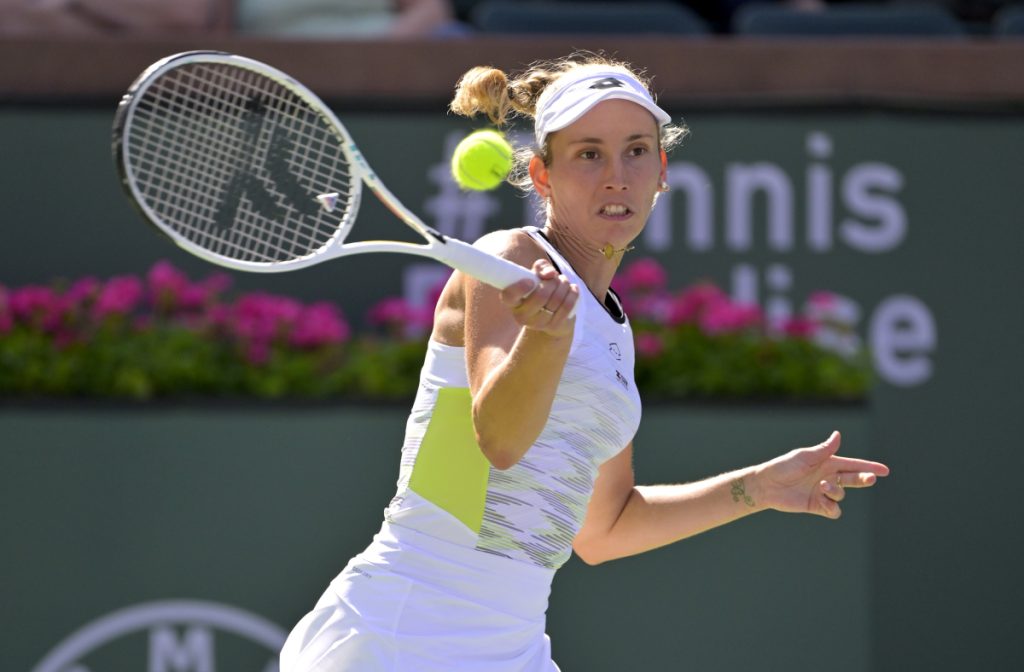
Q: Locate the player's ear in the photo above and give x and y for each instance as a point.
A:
(539, 176)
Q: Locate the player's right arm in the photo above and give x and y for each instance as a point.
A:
(517, 341)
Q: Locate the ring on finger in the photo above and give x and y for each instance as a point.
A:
(839, 481)
(547, 310)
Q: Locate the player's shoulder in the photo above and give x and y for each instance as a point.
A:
(512, 244)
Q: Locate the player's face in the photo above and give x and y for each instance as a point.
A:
(604, 171)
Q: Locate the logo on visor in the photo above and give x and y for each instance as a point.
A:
(607, 83)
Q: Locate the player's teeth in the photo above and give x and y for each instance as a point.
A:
(615, 209)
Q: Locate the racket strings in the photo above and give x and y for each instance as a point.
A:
(243, 234)
(178, 181)
(233, 160)
(206, 150)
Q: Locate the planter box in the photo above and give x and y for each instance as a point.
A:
(218, 528)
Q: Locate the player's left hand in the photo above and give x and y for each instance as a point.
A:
(814, 480)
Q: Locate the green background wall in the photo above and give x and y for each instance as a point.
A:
(261, 508)
(946, 530)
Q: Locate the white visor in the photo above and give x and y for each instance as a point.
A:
(574, 94)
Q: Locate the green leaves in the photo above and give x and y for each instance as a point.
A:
(746, 365)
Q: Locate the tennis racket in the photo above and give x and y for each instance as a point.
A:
(245, 167)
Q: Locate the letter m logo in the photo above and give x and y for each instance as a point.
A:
(192, 653)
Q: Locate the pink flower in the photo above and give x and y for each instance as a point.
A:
(37, 306)
(643, 275)
(641, 286)
(319, 324)
(264, 317)
(400, 317)
(166, 284)
(30, 301)
(83, 290)
(649, 345)
(654, 307)
(725, 318)
(390, 311)
(218, 315)
(822, 299)
(799, 327)
(192, 298)
(688, 306)
(217, 283)
(6, 320)
(119, 296)
(821, 303)
(835, 310)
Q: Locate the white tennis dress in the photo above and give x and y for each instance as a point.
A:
(458, 577)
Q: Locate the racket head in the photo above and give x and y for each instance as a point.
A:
(237, 162)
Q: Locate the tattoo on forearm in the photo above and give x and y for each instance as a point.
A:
(739, 492)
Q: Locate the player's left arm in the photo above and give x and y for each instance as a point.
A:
(625, 519)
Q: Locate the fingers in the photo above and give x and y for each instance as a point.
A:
(845, 464)
(864, 479)
(829, 446)
(830, 508)
(548, 305)
(517, 292)
(834, 487)
(833, 490)
(825, 454)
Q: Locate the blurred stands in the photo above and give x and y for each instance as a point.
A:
(847, 20)
(692, 18)
(1009, 22)
(98, 18)
(346, 19)
(510, 16)
(705, 65)
(410, 19)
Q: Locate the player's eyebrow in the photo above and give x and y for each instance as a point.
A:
(599, 141)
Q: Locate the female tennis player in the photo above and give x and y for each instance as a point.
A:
(518, 449)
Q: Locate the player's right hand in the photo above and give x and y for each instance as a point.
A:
(548, 305)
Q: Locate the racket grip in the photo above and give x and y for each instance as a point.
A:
(486, 267)
(483, 266)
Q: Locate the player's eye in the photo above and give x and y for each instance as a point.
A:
(589, 154)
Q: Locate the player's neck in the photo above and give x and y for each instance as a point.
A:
(587, 259)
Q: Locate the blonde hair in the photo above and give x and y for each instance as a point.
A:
(489, 91)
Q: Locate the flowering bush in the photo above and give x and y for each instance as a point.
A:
(165, 335)
(699, 343)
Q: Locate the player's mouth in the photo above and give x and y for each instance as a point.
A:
(617, 211)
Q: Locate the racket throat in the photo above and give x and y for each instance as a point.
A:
(435, 234)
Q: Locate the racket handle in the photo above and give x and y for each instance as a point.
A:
(486, 267)
(483, 266)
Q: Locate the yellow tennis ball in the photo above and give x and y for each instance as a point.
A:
(482, 160)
